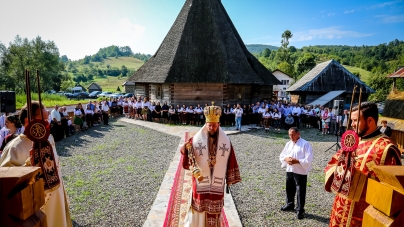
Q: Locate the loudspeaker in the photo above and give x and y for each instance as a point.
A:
(7, 101)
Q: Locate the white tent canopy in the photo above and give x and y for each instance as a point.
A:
(326, 98)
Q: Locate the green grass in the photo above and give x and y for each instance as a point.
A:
(47, 100)
(129, 62)
(110, 83)
(365, 75)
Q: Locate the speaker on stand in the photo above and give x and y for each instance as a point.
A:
(7, 102)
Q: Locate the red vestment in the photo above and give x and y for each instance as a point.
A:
(375, 149)
(212, 204)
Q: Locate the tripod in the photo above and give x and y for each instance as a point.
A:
(337, 146)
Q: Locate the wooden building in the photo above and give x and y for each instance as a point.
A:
(94, 87)
(326, 82)
(397, 74)
(202, 59)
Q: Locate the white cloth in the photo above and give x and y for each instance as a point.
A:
(267, 114)
(138, 105)
(296, 111)
(2, 120)
(146, 104)
(261, 110)
(105, 108)
(302, 151)
(238, 112)
(277, 115)
(198, 110)
(213, 182)
(3, 133)
(55, 115)
(77, 112)
(88, 111)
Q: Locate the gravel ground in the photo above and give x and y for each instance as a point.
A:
(112, 173)
(262, 192)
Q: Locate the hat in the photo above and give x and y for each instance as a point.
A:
(212, 113)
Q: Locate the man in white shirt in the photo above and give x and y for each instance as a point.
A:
(343, 122)
(104, 110)
(297, 157)
(56, 124)
(296, 111)
(2, 121)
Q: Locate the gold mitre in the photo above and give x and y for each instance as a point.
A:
(212, 113)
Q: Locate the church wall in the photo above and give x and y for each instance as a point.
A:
(237, 94)
(139, 90)
(196, 93)
(160, 93)
(266, 93)
(129, 88)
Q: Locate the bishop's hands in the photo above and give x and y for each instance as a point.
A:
(291, 160)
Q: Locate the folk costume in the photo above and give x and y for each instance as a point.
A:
(215, 159)
(349, 183)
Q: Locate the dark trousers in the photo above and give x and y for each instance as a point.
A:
(342, 129)
(296, 184)
(65, 128)
(297, 121)
(105, 117)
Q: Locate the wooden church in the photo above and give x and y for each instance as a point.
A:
(203, 59)
(326, 82)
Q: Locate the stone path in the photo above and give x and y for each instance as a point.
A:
(157, 213)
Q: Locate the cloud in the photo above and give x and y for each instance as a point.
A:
(132, 30)
(331, 14)
(388, 19)
(384, 4)
(327, 33)
(349, 11)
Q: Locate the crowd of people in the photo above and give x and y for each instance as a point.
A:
(276, 115)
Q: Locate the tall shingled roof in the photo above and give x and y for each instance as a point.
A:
(203, 46)
(323, 78)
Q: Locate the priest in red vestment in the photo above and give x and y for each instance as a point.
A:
(347, 172)
(210, 156)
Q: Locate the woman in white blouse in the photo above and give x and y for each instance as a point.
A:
(184, 114)
(276, 117)
(12, 128)
(78, 120)
(266, 116)
(89, 116)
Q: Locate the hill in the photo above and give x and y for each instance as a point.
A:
(365, 75)
(113, 62)
(258, 48)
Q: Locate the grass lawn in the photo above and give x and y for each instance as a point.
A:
(110, 83)
(129, 62)
(47, 100)
(365, 75)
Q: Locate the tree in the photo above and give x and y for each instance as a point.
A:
(305, 62)
(33, 55)
(64, 59)
(124, 70)
(266, 52)
(286, 35)
(286, 68)
(118, 89)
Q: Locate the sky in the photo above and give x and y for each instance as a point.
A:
(82, 27)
